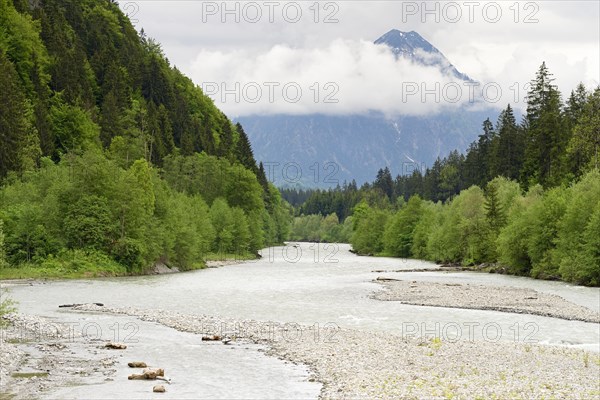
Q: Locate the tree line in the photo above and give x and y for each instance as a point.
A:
(525, 195)
(110, 158)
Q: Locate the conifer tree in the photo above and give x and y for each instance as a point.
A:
(546, 136)
(13, 121)
(507, 147)
(244, 149)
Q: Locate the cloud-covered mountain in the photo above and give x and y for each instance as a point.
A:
(412, 46)
(346, 147)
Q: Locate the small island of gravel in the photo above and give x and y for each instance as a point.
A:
(480, 297)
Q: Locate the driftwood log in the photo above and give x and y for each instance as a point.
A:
(211, 338)
(149, 374)
(77, 305)
(115, 346)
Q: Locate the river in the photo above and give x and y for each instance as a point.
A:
(306, 284)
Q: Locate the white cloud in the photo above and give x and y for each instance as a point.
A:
(343, 77)
(565, 35)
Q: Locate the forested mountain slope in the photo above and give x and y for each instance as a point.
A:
(110, 154)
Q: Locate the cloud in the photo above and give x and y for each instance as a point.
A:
(504, 54)
(344, 77)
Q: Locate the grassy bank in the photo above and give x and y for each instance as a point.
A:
(81, 265)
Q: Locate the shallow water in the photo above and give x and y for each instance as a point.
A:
(198, 370)
(311, 284)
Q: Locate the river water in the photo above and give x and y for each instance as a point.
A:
(306, 284)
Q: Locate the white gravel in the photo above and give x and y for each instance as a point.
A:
(359, 364)
(37, 354)
(479, 297)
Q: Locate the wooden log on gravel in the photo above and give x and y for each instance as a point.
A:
(211, 338)
(116, 346)
(149, 374)
(77, 305)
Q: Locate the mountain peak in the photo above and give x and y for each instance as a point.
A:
(413, 46)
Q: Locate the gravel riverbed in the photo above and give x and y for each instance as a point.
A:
(360, 364)
(38, 354)
(479, 297)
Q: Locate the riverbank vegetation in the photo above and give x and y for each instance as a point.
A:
(525, 197)
(111, 159)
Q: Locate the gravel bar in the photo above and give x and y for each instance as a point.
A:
(38, 355)
(360, 364)
(480, 297)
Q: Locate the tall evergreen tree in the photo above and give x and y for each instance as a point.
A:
(384, 182)
(493, 209)
(450, 177)
(546, 136)
(484, 145)
(585, 143)
(13, 119)
(225, 148)
(507, 148)
(471, 168)
(431, 181)
(243, 149)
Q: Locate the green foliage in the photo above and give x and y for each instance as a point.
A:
(577, 241)
(399, 231)
(544, 220)
(91, 203)
(585, 267)
(223, 221)
(429, 215)
(129, 252)
(307, 228)
(89, 109)
(315, 228)
(443, 244)
(2, 254)
(7, 306)
(27, 238)
(585, 143)
(89, 224)
(369, 224)
(20, 41)
(188, 230)
(543, 234)
(512, 242)
(494, 213)
(15, 126)
(73, 127)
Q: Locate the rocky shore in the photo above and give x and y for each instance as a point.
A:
(479, 297)
(50, 355)
(359, 364)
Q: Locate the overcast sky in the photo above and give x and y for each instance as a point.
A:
(287, 57)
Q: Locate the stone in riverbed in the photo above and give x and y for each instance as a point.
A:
(137, 364)
(159, 389)
(153, 373)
